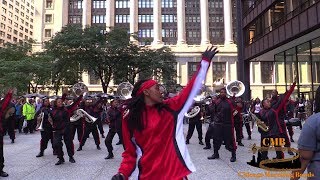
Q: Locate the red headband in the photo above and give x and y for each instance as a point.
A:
(146, 85)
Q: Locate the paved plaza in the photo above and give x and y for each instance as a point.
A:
(21, 161)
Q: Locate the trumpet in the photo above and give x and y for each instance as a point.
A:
(260, 123)
(80, 113)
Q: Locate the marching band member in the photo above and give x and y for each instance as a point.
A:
(4, 104)
(270, 116)
(210, 133)
(77, 126)
(113, 117)
(93, 110)
(46, 132)
(282, 115)
(61, 128)
(153, 130)
(289, 115)
(238, 121)
(247, 123)
(195, 122)
(224, 126)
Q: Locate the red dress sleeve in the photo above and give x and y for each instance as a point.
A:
(190, 91)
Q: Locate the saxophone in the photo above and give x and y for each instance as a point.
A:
(260, 123)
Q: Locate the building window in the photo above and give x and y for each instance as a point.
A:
(99, 4)
(168, 3)
(75, 5)
(99, 19)
(267, 72)
(75, 19)
(122, 4)
(49, 4)
(192, 68)
(48, 18)
(218, 72)
(169, 33)
(4, 2)
(169, 18)
(4, 10)
(47, 33)
(145, 4)
(145, 33)
(8, 36)
(145, 18)
(3, 26)
(122, 18)
(2, 34)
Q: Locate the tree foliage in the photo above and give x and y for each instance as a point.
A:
(110, 56)
(22, 70)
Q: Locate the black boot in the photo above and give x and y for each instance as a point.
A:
(233, 157)
(249, 137)
(187, 141)
(80, 148)
(61, 161)
(207, 147)
(240, 143)
(4, 174)
(71, 159)
(200, 142)
(118, 143)
(12, 141)
(40, 154)
(110, 156)
(102, 135)
(98, 147)
(215, 155)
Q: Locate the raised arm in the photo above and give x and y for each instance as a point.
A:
(74, 105)
(185, 98)
(282, 100)
(6, 101)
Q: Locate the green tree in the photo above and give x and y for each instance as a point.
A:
(109, 56)
(65, 52)
(21, 69)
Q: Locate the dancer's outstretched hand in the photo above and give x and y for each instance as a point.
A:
(210, 53)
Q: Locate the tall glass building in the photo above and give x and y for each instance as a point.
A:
(281, 41)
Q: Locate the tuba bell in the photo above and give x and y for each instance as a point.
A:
(124, 90)
(235, 88)
(194, 111)
(79, 88)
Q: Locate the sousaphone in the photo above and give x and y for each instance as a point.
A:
(79, 88)
(235, 88)
(124, 90)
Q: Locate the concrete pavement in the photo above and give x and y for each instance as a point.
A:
(21, 163)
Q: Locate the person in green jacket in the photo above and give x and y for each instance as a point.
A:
(28, 111)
